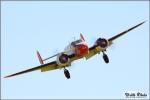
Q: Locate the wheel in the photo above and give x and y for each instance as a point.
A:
(106, 59)
(67, 74)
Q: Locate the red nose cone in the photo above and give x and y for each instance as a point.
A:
(81, 50)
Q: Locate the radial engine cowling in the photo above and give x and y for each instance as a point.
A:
(63, 59)
(103, 43)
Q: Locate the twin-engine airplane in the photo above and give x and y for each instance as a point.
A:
(74, 51)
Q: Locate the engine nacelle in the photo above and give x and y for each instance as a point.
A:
(63, 59)
(103, 43)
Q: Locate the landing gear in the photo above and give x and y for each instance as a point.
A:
(105, 57)
(66, 73)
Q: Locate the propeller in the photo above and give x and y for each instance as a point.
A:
(112, 46)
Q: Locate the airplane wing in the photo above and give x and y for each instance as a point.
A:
(45, 67)
(94, 49)
(73, 57)
(124, 32)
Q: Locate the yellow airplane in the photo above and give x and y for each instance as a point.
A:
(76, 50)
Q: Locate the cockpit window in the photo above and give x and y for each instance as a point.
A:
(76, 42)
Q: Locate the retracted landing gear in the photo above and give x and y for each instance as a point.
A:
(66, 73)
(105, 57)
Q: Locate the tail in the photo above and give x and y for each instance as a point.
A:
(82, 37)
(40, 58)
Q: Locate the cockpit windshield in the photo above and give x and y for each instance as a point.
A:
(76, 42)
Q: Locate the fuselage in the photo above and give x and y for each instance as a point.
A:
(78, 47)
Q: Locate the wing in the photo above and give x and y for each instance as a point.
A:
(95, 49)
(45, 67)
(73, 57)
(124, 32)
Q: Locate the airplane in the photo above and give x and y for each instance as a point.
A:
(75, 50)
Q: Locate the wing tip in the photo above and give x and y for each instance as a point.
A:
(8, 76)
(143, 22)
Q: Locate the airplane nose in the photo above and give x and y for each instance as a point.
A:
(81, 50)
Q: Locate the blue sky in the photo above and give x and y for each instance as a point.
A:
(50, 26)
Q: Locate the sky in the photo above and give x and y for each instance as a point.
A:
(49, 26)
